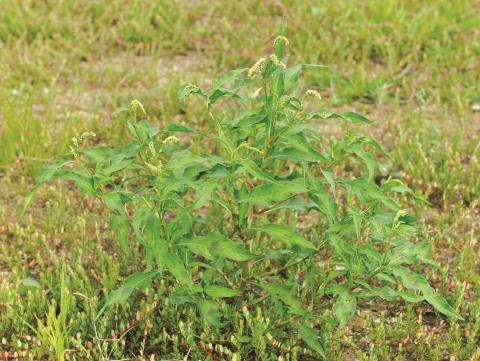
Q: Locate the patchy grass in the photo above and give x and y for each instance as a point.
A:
(66, 66)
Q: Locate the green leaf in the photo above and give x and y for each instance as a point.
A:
(227, 144)
(220, 201)
(203, 193)
(153, 227)
(81, 178)
(278, 83)
(185, 294)
(286, 234)
(255, 171)
(28, 200)
(416, 282)
(120, 225)
(229, 76)
(114, 200)
(174, 264)
(410, 297)
(48, 171)
(310, 337)
(155, 245)
(117, 296)
(345, 250)
(411, 280)
(441, 304)
(387, 293)
(355, 117)
(179, 129)
(102, 154)
(243, 207)
(210, 312)
(298, 203)
(406, 252)
(116, 167)
(30, 282)
(367, 157)
(291, 76)
(121, 294)
(219, 93)
(226, 248)
(200, 245)
(301, 144)
(345, 307)
(295, 155)
(331, 181)
(363, 189)
(350, 116)
(139, 279)
(395, 185)
(267, 194)
(220, 291)
(284, 295)
(356, 215)
(142, 131)
(180, 226)
(248, 118)
(324, 204)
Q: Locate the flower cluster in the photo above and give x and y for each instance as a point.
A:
(313, 93)
(135, 104)
(396, 221)
(277, 61)
(256, 68)
(170, 140)
(279, 40)
(77, 141)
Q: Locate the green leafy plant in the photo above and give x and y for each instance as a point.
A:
(53, 333)
(257, 208)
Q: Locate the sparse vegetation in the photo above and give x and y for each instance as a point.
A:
(288, 268)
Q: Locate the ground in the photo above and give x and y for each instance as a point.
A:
(65, 67)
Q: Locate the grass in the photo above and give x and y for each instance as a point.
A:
(67, 66)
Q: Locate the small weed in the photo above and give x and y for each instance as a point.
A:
(53, 333)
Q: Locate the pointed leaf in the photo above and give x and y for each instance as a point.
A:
(255, 171)
(355, 117)
(174, 264)
(179, 128)
(311, 339)
(286, 234)
(81, 178)
(135, 280)
(345, 307)
(210, 312)
(226, 248)
(441, 304)
(414, 281)
(30, 282)
(269, 193)
(300, 143)
(200, 245)
(324, 204)
(48, 171)
(278, 83)
(220, 291)
(284, 295)
(120, 225)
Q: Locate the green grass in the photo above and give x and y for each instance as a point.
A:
(65, 67)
